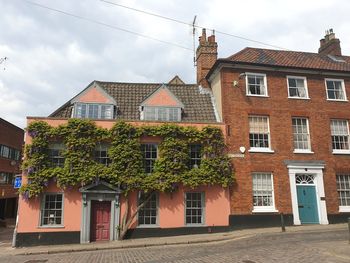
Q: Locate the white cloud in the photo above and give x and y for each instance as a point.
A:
(52, 56)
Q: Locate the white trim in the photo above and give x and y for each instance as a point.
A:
(341, 151)
(345, 209)
(317, 171)
(298, 151)
(261, 149)
(42, 206)
(342, 86)
(265, 84)
(266, 209)
(305, 87)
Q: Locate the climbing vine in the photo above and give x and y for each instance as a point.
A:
(125, 170)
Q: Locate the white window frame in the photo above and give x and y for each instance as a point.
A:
(342, 85)
(264, 209)
(157, 113)
(305, 87)
(308, 150)
(261, 149)
(42, 208)
(157, 212)
(99, 114)
(341, 151)
(343, 208)
(99, 148)
(146, 159)
(202, 208)
(247, 74)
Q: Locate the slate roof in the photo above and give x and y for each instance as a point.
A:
(198, 106)
(290, 59)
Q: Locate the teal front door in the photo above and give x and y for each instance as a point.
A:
(307, 204)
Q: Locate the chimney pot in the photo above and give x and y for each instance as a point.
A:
(330, 45)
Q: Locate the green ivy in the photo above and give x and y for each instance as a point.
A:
(126, 167)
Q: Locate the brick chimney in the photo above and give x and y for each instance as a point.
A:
(329, 45)
(206, 55)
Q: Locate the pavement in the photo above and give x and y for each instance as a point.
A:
(7, 250)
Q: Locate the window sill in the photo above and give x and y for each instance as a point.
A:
(260, 150)
(195, 225)
(260, 96)
(298, 98)
(344, 209)
(341, 152)
(338, 100)
(264, 210)
(53, 226)
(303, 151)
(147, 226)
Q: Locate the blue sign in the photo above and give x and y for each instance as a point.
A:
(18, 182)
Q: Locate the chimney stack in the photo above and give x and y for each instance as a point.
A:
(329, 45)
(206, 55)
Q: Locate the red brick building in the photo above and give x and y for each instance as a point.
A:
(11, 141)
(287, 118)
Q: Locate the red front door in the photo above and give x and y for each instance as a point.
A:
(100, 220)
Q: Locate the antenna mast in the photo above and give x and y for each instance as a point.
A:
(193, 39)
(2, 60)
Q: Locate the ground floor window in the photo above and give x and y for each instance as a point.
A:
(52, 210)
(149, 213)
(343, 188)
(263, 192)
(194, 208)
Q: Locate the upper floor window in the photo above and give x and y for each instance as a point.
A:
(55, 154)
(259, 133)
(149, 151)
(52, 210)
(301, 135)
(335, 89)
(93, 111)
(195, 155)
(9, 152)
(256, 84)
(101, 154)
(297, 87)
(161, 113)
(340, 136)
(263, 197)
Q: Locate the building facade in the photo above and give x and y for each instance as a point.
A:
(287, 118)
(11, 143)
(94, 212)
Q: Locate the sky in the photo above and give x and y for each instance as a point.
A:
(53, 56)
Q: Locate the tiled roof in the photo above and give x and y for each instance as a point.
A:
(292, 59)
(129, 96)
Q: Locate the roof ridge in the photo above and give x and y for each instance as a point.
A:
(144, 83)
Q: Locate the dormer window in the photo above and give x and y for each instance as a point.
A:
(161, 113)
(93, 111)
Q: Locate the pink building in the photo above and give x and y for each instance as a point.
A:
(94, 212)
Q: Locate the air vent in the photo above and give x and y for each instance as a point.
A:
(336, 59)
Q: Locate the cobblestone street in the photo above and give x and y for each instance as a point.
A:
(321, 246)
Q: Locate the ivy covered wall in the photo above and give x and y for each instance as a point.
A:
(126, 167)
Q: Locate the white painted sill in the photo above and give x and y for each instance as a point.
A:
(341, 152)
(303, 151)
(265, 210)
(298, 98)
(338, 100)
(260, 150)
(148, 226)
(344, 209)
(195, 225)
(50, 227)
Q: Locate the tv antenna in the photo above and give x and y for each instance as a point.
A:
(3, 60)
(194, 39)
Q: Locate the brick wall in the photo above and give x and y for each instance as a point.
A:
(236, 108)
